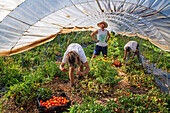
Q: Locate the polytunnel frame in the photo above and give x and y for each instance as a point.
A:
(124, 23)
(120, 19)
(146, 8)
(144, 21)
(129, 27)
(148, 24)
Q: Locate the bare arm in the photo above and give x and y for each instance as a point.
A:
(62, 67)
(86, 64)
(134, 54)
(125, 55)
(108, 35)
(92, 35)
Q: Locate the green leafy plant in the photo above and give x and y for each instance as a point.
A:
(154, 101)
(25, 93)
(93, 107)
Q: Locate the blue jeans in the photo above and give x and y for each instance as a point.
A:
(99, 49)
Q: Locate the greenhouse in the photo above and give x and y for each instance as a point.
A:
(35, 36)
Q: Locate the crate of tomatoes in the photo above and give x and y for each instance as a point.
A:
(55, 103)
(117, 63)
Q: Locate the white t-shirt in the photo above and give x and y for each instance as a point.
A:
(132, 45)
(101, 36)
(78, 49)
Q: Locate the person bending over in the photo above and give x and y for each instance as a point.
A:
(76, 58)
(132, 46)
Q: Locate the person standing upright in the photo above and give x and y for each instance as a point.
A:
(103, 36)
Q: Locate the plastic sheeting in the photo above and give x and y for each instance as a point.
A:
(25, 24)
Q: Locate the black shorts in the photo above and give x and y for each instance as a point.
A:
(99, 49)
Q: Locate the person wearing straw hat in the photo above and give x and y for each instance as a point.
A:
(76, 58)
(103, 36)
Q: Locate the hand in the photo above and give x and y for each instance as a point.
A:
(64, 70)
(124, 58)
(106, 41)
(79, 73)
(132, 58)
(96, 41)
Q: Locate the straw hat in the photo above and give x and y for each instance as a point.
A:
(105, 24)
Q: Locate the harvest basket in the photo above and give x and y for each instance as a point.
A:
(58, 108)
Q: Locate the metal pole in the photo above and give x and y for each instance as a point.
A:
(85, 41)
(46, 49)
(76, 35)
(64, 41)
(141, 45)
(59, 43)
(87, 34)
(147, 46)
(158, 59)
(83, 34)
(166, 74)
(22, 60)
(5, 59)
(153, 55)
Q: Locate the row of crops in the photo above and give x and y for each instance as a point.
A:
(24, 76)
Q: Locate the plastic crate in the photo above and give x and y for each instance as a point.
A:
(59, 108)
(117, 63)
